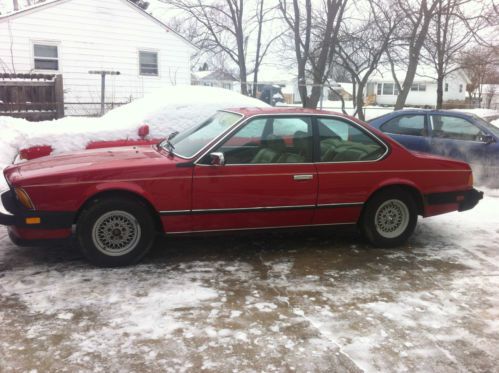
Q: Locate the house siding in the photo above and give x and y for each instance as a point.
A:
(427, 97)
(96, 35)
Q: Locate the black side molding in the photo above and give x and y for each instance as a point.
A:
(466, 199)
(185, 165)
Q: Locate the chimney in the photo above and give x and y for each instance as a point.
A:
(16, 5)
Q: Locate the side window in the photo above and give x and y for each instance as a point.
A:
(270, 140)
(148, 62)
(413, 125)
(342, 141)
(455, 128)
(46, 57)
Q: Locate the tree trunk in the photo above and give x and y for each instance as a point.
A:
(315, 96)
(360, 102)
(440, 91)
(354, 93)
(409, 78)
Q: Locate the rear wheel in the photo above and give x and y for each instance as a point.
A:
(115, 232)
(389, 218)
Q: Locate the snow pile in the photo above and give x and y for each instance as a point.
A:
(495, 122)
(168, 109)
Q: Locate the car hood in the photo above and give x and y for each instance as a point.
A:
(82, 165)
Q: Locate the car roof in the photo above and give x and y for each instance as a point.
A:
(430, 111)
(251, 111)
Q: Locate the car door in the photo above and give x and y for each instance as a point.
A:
(410, 130)
(457, 137)
(268, 179)
(344, 166)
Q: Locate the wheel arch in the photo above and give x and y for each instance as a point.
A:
(125, 194)
(399, 185)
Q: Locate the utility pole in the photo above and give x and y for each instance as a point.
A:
(103, 86)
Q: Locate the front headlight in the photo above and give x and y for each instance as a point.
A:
(24, 199)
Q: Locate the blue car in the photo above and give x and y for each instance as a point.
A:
(452, 134)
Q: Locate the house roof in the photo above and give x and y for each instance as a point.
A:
(47, 4)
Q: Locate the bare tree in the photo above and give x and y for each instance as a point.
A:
(451, 30)
(362, 46)
(313, 41)
(226, 27)
(481, 65)
(418, 16)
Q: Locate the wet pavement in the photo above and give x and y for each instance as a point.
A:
(308, 301)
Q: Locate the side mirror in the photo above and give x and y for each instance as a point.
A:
(217, 159)
(487, 139)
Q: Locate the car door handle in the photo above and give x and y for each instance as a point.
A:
(302, 177)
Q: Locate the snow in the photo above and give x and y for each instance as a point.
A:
(495, 122)
(167, 110)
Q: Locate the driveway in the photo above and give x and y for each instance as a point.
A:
(277, 302)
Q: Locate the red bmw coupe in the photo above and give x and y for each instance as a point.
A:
(240, 169)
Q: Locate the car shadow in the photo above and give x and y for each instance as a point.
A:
(313, 250)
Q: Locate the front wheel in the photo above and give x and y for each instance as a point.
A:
(389, 218)
(115, 232)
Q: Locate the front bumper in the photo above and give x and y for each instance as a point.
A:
(11, 214)
(465, 200)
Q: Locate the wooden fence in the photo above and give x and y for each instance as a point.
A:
(34, 97)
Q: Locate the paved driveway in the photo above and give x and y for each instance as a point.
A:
(302, 301)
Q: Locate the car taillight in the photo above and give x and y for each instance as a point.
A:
(23, 197)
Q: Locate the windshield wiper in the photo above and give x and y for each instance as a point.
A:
(168, 145)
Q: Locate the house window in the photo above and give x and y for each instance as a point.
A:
(460, 88)
(446, 87)
(418, 87)
(148, 63)
(46, 57)
(388, 88)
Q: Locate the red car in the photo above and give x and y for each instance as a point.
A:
(241, 169)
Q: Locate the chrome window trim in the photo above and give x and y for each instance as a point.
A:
(333, 116)
(361, 128)
(257, 209)
(221, 136)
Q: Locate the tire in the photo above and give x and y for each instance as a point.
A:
(389, 218)
(115, 232)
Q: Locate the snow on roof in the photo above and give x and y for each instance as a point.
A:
(213, 75)
(347, 87)
(273, 75)
(49, 3)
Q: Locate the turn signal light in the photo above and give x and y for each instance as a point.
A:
(23, 197)
(32, 221)
(470, 179)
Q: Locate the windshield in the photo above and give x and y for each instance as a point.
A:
(489, 126)
(186, 144)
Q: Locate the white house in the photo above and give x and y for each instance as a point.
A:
(382, 90)
(73, 37)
